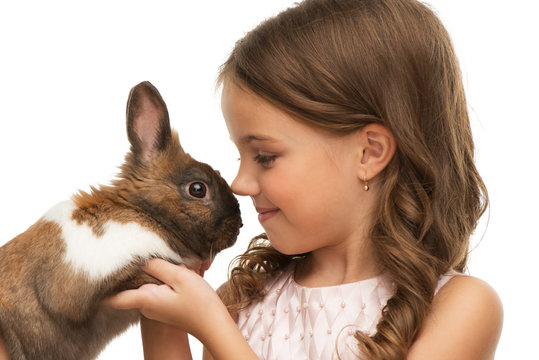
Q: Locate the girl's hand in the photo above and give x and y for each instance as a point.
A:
(188, 302)
(185, 301)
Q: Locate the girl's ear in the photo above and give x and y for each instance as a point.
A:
(378, 147)
(148, 124)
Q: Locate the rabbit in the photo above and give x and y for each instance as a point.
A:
(163, 204)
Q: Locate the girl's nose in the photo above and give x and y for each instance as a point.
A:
(245, 184)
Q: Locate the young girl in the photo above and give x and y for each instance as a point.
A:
(356, 149)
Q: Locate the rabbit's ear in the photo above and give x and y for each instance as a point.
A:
(148, 125)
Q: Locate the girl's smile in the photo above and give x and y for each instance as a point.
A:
(265, 214)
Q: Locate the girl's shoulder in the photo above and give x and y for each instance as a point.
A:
(465, 321)
(467, 295)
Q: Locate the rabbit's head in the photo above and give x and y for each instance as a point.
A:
(191, 202)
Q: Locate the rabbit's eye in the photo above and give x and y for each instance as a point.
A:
(197, 189)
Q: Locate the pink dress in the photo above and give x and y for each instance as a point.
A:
(296, 322)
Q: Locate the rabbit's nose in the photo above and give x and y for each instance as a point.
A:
(238, 232)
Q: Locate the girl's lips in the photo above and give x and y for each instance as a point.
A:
(265, 214)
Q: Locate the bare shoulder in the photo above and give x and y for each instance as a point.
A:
(465, 322)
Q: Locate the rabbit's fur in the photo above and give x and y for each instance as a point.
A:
(163, 204)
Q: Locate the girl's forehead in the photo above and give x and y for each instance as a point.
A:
(237, 97)
(250, 118)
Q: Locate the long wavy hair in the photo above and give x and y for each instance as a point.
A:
(339, 65)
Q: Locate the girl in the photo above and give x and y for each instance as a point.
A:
(355, 144)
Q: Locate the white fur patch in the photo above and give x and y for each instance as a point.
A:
(101, 256)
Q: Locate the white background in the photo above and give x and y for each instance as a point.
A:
(66, 68)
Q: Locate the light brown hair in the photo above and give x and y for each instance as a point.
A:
(340, 65)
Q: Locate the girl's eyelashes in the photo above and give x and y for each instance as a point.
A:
(265, 160)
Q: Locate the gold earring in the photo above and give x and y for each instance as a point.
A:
(366, 186)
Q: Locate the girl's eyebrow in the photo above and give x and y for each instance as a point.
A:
(247, 139)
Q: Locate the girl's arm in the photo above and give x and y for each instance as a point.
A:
(186, 301)
(222, 291)
(161, 341)
(465, 322)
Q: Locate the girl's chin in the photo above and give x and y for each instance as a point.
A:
(280, 246)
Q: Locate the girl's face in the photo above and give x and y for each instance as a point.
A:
(305, 184)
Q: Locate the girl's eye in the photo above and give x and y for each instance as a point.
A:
(265, 160)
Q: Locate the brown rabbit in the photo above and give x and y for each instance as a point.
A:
(163, 204)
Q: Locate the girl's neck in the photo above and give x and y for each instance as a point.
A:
(329, 267)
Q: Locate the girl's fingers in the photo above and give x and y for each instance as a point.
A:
(136, 298)
(182, 301)
(147, 294)
(163, 270)
(128, 299)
